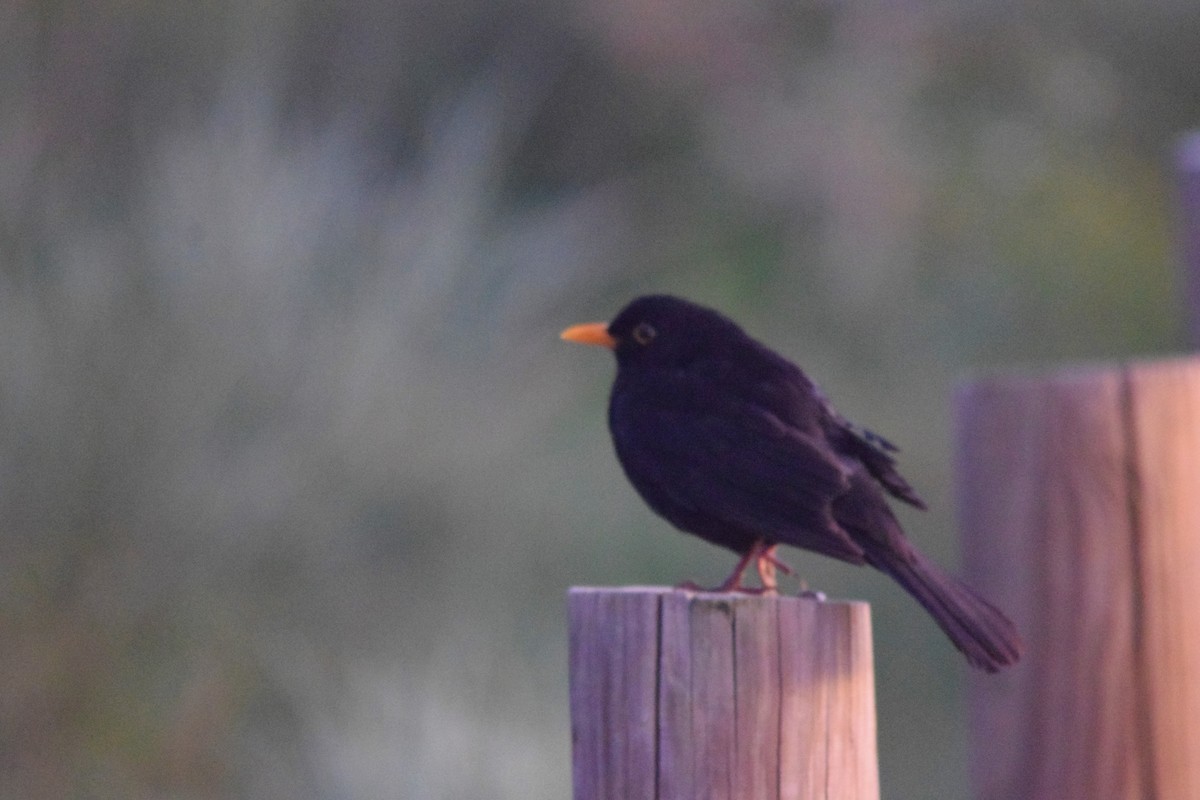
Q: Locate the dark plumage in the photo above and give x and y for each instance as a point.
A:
(732, 442)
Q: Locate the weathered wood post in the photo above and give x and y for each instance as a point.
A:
(678, 695)
(1079, 496)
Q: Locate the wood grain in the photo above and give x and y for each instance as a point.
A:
(613, 661)
(1164, 410)
(1080, 516)
(755, 697)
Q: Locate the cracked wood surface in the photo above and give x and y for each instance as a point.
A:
(678, 695)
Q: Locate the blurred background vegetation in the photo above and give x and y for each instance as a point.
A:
(294, 471)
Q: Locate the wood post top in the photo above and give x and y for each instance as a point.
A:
(740, 597)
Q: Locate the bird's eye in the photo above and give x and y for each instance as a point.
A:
(644, 333)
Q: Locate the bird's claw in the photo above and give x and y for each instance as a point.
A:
(692, 586)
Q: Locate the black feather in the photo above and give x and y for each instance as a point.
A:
(730, 441)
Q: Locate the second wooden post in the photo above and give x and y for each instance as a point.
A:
(1080, 501)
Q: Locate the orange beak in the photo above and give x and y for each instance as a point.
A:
(590, 333)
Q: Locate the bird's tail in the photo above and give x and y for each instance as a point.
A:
(978, 629)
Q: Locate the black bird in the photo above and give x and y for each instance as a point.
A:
(730, 441)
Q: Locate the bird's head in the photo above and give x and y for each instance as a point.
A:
(659, 330)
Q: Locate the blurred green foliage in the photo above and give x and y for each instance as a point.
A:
(294, 473)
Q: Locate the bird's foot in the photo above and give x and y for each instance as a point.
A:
(758, 590)
(726, 588)
(763, 556)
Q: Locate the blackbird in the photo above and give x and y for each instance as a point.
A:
(730, 441)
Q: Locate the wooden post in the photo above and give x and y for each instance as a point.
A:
(1080, 510)
(1187, 161)
(678, 695)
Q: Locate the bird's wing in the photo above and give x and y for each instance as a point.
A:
(875, 453)
(740, 467)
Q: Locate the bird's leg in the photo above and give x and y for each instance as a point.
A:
(767, 563)
(760, 553)
(734, 582)
(767, 558)
(763, 556)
